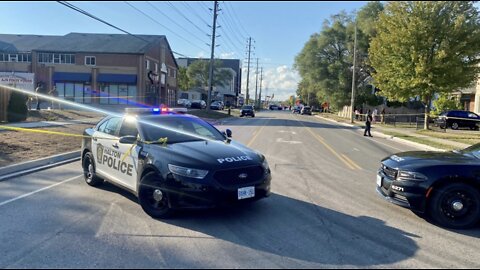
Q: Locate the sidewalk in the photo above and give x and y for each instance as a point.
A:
(408, 134)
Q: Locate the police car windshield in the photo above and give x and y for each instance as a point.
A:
(177, 128)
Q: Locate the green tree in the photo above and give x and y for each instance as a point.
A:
(184, 82)
(198, 74)
(325, 62)
(17, 110)
(424, 48)
(445, 103)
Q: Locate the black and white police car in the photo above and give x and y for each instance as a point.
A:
(171, 161)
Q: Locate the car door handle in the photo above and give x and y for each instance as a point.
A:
(115, 145)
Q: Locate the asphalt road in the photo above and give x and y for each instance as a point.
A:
(324, 212)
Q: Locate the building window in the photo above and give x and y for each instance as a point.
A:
(174, 73)
(90, 61)
(117, 93)
(156, 68)
(147, 64)
(53, 58)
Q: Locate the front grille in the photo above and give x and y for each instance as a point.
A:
(231, 177)
(390, 172)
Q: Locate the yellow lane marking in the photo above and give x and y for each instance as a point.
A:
(257, 133)
(351, 162)
(352, 165)
(330, 148)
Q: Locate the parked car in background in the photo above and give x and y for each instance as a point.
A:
(217, 105)
(198, 104)
(458, 119)
(296, 109)
(183, 102)
(306, 110)
(273, 107)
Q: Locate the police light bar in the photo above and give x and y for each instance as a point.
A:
(155, 110)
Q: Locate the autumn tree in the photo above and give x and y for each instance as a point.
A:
(425, 48)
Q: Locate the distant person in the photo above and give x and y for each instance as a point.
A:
(53, 93)
(356, 114)
(38, 90)
(382, 115)
(374, 116)
(368, 124)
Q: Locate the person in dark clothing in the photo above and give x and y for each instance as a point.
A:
(368, 124)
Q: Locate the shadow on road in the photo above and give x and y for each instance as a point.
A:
(300, 230)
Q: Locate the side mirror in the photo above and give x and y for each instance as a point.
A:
(229, 133)
(128, 139)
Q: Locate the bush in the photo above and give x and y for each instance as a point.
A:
(445, 103)
(17, 108)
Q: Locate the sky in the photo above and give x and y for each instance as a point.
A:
(278, 30)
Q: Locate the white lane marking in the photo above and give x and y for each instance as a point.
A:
(280, 140)
(287, 131)
(355, 149)
(37, 191)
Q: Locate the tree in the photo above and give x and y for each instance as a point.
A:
(184, 82)
(424, 48)
(445, 103)
(198, 74)
(325, 62)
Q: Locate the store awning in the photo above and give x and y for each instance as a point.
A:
(72, 77)
(117, 78)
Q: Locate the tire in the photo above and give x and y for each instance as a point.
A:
(454, 125)
(154, 207)
(441, 206)
(253, 115)
(89, 171)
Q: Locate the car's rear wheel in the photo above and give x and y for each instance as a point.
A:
(455, 206)
(455, 125)
(89, 171)
(153, 198)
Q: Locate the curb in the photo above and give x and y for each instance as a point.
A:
(37, 165)
(389, 137)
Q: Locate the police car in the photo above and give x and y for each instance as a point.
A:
(171, 161)
(446, 186)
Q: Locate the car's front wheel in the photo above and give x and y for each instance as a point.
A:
(455, 206)
(153, 198)
(455, 125)
(89, 171)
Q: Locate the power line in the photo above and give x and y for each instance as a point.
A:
(65, 3)
(179, 25)
(232, 27)
(109, 24)
(162, 25)
(194, 12)
(235, 15)
(228, 36)
(185, 17)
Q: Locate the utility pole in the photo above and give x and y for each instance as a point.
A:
(260, 94)
(210, 78)
(256, 85)
(248, 67)
(352, 117)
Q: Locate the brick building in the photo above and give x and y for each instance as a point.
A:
(104, 69)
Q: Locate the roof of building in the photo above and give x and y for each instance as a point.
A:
(102, 43)
(79, 42)
(24, 43)
(229, 63)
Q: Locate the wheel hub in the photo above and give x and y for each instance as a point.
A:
(457, 205)
(157, 195)
(90, 171)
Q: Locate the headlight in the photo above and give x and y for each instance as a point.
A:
(404, 175)
(187, 172)
(265, 165)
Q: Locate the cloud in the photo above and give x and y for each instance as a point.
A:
(281, 80)
(201, 54)
(227, 55)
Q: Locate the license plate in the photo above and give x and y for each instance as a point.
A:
(379, 180)
(246, 192)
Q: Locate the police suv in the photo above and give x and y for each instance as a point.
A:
(171, 161)
(446, 186)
